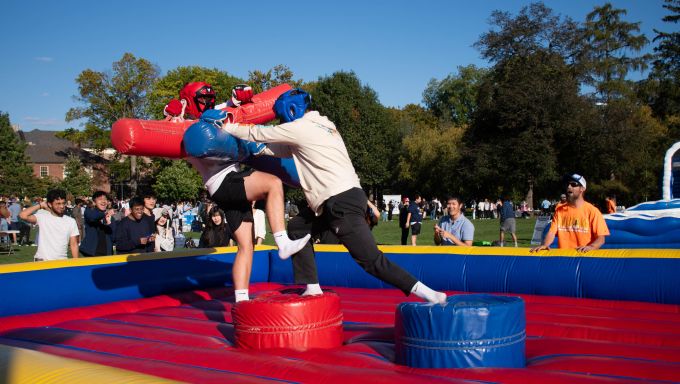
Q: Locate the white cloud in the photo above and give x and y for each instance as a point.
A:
(45, 59)
(45, 94)
(39, 122)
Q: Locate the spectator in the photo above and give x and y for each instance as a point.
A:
(508, 222)
(524, 208)
(4, 215)
(390, 209)
(77, 214)
(164, 239)
(135, 233)
(216, 232)
(454, 229)
(58, 232)
(545, 207)
(563, 200)
(99, 226)
(414, 218)
(577, 224)
(403, 220)
(259, 224)
(611, 204)
(14, 208)
(372, 215)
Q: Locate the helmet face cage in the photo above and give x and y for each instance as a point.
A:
(199, 97)
(205, 98)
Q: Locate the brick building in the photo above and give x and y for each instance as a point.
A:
(48, 155)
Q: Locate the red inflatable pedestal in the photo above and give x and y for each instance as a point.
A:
(288, 320)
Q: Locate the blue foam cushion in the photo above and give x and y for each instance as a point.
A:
(478, 330)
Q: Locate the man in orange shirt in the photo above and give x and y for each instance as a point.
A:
(577, 224)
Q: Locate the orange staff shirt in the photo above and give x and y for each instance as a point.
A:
(577, 227)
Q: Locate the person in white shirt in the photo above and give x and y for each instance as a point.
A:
(58, 232)
(332, 189)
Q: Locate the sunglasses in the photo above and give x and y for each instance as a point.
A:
(573, 184)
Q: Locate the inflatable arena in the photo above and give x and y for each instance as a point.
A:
(558, 316)
(603, 317)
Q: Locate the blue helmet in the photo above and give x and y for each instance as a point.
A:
(292, 105)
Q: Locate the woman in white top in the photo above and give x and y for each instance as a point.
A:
(165, 237)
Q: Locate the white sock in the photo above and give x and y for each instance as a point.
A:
(312, 289)
(288, 247)
(424, 292)
(241, 295)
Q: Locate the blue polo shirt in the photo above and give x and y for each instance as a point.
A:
(462, 228)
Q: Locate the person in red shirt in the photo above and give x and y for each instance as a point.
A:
(577, 224)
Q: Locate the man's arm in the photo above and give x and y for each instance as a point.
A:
(437, 236)
(595, 244)
(93, 216)
(73, 243)
(546, 242)
(28, 214)
(282, 134)
(455, 240)
(408, 220)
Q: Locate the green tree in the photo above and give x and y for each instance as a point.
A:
(530, 97)
(534, 29)
(168, 86)
(430, 154)
(605, 54)
(522, 106)
(364, 123)
(112, 95)
(177, 182)
(280, 74)
(663, 85)
(77, 181)
(455, 97)
(16, 176)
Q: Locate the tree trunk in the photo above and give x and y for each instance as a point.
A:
(530, 195)
(133, 174)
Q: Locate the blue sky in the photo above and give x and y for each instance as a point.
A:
(395, 47)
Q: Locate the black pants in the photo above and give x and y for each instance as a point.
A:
(344, 215)
(404, 235)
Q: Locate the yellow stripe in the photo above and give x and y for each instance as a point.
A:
(482, 251)
(117, 259)
(511, 251)
(25, 366)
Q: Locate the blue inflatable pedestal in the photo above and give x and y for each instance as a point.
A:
(469, 331)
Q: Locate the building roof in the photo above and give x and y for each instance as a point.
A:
(46, 148)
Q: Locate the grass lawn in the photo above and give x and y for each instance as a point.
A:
(387, 233)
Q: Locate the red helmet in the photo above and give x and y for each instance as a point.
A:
(199, 96)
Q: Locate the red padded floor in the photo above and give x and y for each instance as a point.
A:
(189, 337)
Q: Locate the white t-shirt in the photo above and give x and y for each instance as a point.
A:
(258, 224)
(55, 234)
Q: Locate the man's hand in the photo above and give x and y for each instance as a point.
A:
(241, 94)
(585, 249)
(173, 109)
(540, 248)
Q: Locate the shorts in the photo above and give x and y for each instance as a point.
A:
(231, 197)
(415, 229)
(508, 225)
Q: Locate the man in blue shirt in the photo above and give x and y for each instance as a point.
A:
(508, 223)
(454, 229)
(414, 218)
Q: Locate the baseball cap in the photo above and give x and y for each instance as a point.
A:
(165, 211)
(577, 178)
